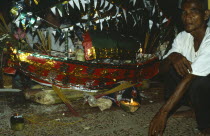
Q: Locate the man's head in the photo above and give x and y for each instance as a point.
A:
(194, 14)
(202, 3)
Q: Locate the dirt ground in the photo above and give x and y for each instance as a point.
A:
(56, 120)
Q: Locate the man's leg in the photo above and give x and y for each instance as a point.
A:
(199, 92)
(172, 79)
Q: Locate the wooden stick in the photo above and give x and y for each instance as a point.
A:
(42, 38)
(65, 100)
(116, 89)
(5, 25)
(146, 42)
(3, 30)
(49, 43)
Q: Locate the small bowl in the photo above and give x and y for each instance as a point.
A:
(129, 107)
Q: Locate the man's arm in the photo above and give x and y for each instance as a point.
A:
(158, 123)
(180, 63)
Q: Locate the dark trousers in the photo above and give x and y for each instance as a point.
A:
(197, 96)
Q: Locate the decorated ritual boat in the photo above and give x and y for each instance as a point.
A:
(68, 72)
(108, 43)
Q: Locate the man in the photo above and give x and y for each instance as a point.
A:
(188, 67)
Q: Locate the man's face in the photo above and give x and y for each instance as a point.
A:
(193, 16)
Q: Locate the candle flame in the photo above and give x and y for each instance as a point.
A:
(140, 50)
(131, 100)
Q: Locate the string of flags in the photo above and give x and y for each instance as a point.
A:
(93, 14)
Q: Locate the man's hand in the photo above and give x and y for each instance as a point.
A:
(180, 63)
(158, 123)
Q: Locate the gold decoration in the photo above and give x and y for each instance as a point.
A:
(14, 11)
(78, 81)
(23, 57)
(36, 2)
(91, 53)
(38, 71)
(77, 71)
(49, 65)
(52, 75)
(65, 2)
(114, 53)
(115, 74)
(104, 73)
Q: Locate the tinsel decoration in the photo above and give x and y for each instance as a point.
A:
(90, 70)
(64, 68)
(66, 80)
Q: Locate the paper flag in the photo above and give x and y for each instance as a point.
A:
(54, 32)
(165, 20)
(117, 11)
(108, 18)
(90, 23)
(153, 11)
(85, 17)
(150, 24)
(71, 28)
(102, 2)
(53, 9)
(134, 20)
(106, 4)
(83, 4)
(67, 8)
(134, 2)
(17, 23)
(95, 15)
(60, 13)
(125, 15)
(77, 4)
(110, 6)
(101, 26)
(95, 4)
(71, 3)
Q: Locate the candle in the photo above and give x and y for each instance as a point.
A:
(17, 122)
(131, 100)
(131, 106)
(69, 53)
(140, 50)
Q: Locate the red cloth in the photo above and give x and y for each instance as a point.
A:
(87, 44)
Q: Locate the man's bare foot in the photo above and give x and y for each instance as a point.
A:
(184, 114)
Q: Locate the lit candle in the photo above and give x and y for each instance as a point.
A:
(131, 100)
(140, 50)
(69, 54)
(131, 106)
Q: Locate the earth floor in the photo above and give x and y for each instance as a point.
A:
(56, 120)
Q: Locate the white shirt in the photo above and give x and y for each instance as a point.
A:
(184, 44)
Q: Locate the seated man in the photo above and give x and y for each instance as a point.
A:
(187, 68)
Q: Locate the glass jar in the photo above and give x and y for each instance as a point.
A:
(17, 122)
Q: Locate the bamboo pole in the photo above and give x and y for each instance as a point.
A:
(42, 38)
(5, 24)
(49, 43)
(146, 42)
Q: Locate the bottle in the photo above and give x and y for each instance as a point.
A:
(17, 122)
